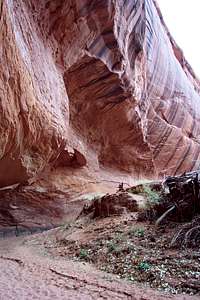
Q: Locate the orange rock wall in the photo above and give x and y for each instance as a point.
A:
(99, 85)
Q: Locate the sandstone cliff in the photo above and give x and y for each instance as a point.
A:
(93, 88)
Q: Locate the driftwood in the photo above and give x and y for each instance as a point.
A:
(179, 204)
(187, 235)
(179, 200)
(165, 215)
(184, 194)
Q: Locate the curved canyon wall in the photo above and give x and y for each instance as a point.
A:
(94, 85)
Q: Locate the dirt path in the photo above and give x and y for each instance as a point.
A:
(28, 273)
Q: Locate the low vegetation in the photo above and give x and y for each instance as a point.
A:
(137, 252)
(136, 247)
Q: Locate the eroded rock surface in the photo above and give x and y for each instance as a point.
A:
(111, 204)
(104, 80)
(93, 91)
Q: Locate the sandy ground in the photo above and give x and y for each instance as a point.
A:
(27, 272)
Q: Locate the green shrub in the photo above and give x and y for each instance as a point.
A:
(139, 232)
(83, 254)
(144, 266)
(152, 196)
(112, 246)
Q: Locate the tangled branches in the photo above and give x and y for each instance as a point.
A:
(179, 200)
(188, 235)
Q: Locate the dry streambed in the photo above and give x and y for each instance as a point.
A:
(137, 252)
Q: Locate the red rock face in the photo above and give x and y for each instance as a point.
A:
(97, 85)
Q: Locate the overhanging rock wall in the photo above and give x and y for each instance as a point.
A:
(99, 85)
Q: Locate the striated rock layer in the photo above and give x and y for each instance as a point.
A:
(93, 85)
